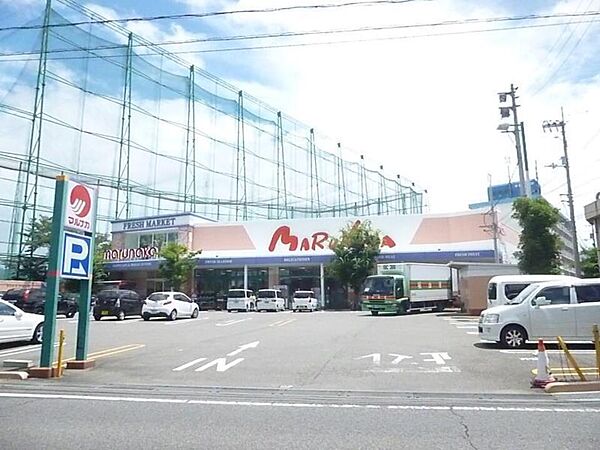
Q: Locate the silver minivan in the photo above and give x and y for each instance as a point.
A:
(568, 308)
(504, 288)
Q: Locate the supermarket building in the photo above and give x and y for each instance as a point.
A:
(291, 254)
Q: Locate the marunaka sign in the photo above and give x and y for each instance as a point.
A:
(317, 241)
(125, 254)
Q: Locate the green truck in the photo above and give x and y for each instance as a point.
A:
(402, 287)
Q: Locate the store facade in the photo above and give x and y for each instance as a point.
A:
(287, 254)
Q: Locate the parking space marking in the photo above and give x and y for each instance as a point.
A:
(465, 327)
(474, 333)
(189, 364)
(18, 351)
(281, 323)
(231, 322)
(180, 321)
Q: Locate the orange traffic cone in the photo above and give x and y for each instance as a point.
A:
(543, 376)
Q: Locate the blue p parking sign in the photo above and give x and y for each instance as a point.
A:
(76, 256)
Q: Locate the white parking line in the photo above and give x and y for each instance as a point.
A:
(31, 348)
(281, 323)
(470, 327)
(189, 364)
(231, 322)
(180, 321)
(473, 332)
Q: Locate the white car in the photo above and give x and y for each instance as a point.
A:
(240, 300)
(304, 301)
(270, 300)
(17, 325)
(170, 305)
(544, 311)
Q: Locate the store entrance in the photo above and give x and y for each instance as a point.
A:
(300, 278)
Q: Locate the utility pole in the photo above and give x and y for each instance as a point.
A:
(505, 112)
(560, 125)
(494, 226)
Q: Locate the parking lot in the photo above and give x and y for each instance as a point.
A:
(428, 352)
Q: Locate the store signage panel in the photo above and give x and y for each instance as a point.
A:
(127, 254)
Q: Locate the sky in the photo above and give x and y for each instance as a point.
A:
(423, 107)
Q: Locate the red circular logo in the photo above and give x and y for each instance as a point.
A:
(80, 201)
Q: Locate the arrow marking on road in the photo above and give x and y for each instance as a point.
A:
(244, 347)
(375, 356)
(221, 363)
(190, 364)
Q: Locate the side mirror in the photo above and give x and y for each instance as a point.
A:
(541, 301)
(18, 314)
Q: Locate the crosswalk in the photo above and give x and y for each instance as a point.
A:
(468, 324)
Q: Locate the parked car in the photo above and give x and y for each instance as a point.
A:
(270, 300)
(34, 301)
(240, 300)
(17, 325)
(544, 311)
(118, 303)
(304, 301)
(170, 305)
(504, 288)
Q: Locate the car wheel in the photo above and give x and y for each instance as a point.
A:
(98, 317)
(229, 310)
(513, 336)
(195, 313)
(121, 315)
(70, 313)
(38, 334)
(440, 307)
(146, 317)
(374, 313)
(173, 315)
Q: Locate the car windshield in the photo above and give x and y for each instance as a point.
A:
(523, 294)
(158, 297)
(379, 285)
(267, 294)
(303, 294)
(237, 294)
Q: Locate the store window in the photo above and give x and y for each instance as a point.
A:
(216, 282)
(157, 239)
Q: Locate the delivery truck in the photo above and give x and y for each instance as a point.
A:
(403, 287)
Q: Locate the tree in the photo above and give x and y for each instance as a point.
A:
(32, 263)
(539, 245)
(589, 263)
(355, 252)
(177, 265)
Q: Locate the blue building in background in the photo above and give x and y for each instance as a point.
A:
(506, 193)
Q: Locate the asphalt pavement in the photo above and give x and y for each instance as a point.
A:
(301, 380)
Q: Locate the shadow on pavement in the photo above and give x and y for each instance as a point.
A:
(533, 346)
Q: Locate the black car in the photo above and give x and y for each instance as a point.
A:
(34, 300)
(118, 303)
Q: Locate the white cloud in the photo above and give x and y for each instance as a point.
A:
(427, 108)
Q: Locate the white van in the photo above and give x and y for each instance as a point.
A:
(240, 300)
(544, 311)
(270, 300)
(504, 288)
(304, 301)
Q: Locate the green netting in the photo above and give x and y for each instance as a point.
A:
(161, 137)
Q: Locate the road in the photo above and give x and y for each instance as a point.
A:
(310, 380)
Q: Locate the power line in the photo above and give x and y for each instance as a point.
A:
(9, 56)
(214, 14)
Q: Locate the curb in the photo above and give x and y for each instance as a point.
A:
(13, 375)
(575, 386)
